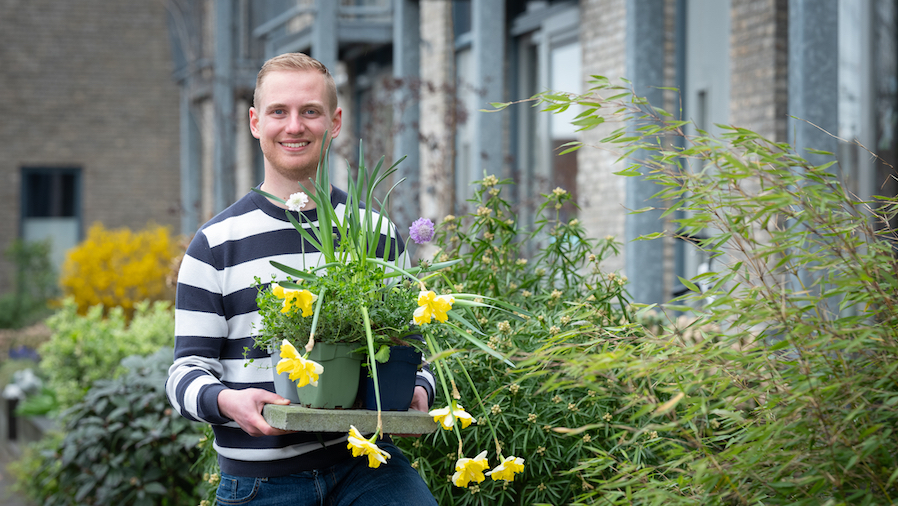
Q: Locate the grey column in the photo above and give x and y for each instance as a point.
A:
(813, 76)
(406, 69)
(645, 69)
(488, 27)
(813, 91)
(190, 164)
(223, 100)
(324, 39)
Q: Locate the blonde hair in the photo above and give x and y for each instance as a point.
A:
(293, 62)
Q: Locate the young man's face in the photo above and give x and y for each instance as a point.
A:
(293, 114)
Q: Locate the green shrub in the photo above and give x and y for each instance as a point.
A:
(35, 284)
(563, 295)
(83, 349)
(123, 444)
(786, 392)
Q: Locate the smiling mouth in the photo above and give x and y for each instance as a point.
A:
(295, 144)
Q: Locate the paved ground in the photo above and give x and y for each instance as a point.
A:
(7, 497)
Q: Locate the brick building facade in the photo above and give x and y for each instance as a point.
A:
(735, 62)
(90, 120)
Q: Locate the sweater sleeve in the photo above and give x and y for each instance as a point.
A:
(201, 328)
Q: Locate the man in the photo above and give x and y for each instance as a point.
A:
(295, 104)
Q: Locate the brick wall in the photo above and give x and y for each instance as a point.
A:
(759, 62)
(437, 110)
(88, 84)
(601, 193)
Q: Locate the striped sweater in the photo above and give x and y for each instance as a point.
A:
(215, 316)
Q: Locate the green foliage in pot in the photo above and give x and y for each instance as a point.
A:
(786, 389)
(347, 286)
(353, 293)
(122, 444)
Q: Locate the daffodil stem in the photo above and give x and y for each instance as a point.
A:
(482, 407)
(431, 275)
(439, 366)
(311, 342)
(372, 363)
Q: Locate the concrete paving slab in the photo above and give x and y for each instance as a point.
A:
(295, 417)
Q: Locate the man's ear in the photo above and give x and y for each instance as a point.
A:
(254, 122)
(336, 123)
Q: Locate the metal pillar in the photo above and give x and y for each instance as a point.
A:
(190, 164)
(813, 93)
(324, 38)
(223, 99)
(488, 26)
(813, 76)
(406, 69)
(645, 68)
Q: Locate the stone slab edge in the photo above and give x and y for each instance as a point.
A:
(304, 419)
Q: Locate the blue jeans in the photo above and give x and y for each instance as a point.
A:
(349, 483)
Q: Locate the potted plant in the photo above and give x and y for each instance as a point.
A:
(362, 299)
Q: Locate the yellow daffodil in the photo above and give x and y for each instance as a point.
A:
(445, 418)
(432, 305)
(468, 470)
(507, 469)
(362, 446)
(300, 368)
(295, 299)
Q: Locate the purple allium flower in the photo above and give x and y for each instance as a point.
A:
(421, 231)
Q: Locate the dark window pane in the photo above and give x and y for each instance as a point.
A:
(49, 193)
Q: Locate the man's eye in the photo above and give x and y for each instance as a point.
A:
(278, 111)
(311, 112)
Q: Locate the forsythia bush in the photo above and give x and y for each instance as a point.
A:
(118, 268)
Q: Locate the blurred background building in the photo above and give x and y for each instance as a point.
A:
(130, 111)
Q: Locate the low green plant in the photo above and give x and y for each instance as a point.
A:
(122, 444)
(786, 391)
(90, 347)
(34, 284)
(347, 287)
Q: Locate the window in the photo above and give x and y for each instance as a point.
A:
(547, 56)
(51, 208)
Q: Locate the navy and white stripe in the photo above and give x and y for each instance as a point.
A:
(215, 318)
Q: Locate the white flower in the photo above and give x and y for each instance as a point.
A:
(297, 201)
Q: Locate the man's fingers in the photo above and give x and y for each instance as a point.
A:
(245, 408)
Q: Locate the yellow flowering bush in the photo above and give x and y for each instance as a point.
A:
(119, 267)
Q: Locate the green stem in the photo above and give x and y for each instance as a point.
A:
(396, 268)
(439, 367)
(311, 343)
(482, 407)
(372, 363)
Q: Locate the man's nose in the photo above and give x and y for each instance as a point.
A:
(295, 124)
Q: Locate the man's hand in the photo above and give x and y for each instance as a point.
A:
(419, 403)
(245, 408)
(419, 400)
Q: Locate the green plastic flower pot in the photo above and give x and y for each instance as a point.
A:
(339, 383)
(282, 384)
